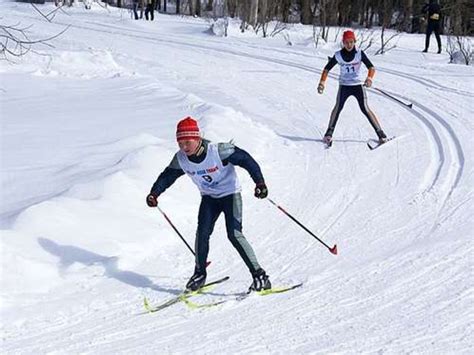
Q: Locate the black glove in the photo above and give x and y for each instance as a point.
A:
(261, 190)
(152, 200)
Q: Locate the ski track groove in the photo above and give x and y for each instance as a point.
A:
(434, 173)
(422, 118)
(454, 147)
(419, 79)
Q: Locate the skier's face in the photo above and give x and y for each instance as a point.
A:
(349, 44)
(189, 146)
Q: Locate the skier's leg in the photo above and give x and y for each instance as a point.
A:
(147, 11)
(438, 37)
(209, 211)
(429, 30)
(361, 96)
(135, 7)
(233, 220)
(340, 101)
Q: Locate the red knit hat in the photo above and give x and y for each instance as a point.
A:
(349, 34)
(187, 129)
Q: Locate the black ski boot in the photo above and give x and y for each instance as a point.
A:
(382, 137)
(196, 281)
(261, 281)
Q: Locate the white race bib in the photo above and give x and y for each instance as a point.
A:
(350, 71)
(211, 176)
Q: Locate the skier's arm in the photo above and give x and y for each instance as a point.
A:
(370, 66)
(229, 153)
(324, 75)
(331, 63)
(167, 177)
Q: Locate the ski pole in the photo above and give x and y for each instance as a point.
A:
(332, 250)
(178, 233)
(410, 105)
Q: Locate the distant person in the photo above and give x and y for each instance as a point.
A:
(350, 61)
(150, 9)
(137, 4)
(434, 19)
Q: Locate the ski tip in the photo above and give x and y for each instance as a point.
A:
(333, 249)
(146, 304)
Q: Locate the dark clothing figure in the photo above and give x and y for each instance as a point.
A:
(137, 4)
(150, 10)
(359, 93)
(434, 23)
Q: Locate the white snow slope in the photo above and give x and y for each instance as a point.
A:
(87, 126)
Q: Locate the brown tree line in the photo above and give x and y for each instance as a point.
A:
(403, 15)
(400, 14)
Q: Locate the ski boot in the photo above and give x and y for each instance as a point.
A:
(196, 281)
(382, 137)
(261, 281)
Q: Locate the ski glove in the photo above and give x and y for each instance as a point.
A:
(152, 200)
(320, 88)
(368, 82)
(261, 190)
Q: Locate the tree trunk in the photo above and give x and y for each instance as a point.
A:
(198, 8)
(306, 14)
(253, 12)
(263, 11)
(286, 10)
(178, 6)
(231, 7)
(408, 16)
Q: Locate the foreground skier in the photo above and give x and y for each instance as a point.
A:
(350, 84)
(211, 167)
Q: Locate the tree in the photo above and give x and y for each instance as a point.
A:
(253, 13)
(15, 41)
(306, 13)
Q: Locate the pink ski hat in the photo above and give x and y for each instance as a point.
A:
(187, 129)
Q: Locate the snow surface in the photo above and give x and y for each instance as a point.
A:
(88, 125)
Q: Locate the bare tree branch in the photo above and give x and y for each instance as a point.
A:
(46, 17)
(14, 41)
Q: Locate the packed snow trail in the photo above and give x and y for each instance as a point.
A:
(86, 130)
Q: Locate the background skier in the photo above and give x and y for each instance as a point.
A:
(350, 84)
